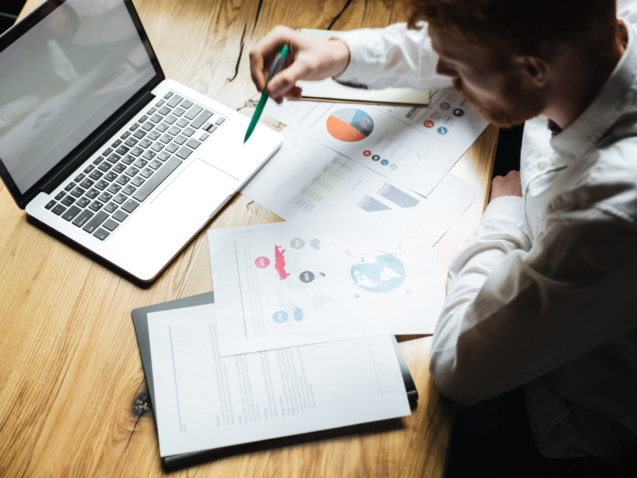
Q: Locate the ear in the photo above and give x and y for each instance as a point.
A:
(535, 68)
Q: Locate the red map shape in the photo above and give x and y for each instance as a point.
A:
(279, 262)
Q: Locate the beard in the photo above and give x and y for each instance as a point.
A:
(515, 106)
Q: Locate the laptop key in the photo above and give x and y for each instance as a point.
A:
(140, 163)
(113, 158)
(96, 206)
(174, 131)
(149, 155)
(105, 166)
(60, 195)
(140, 134)
(101, 234)
(105, 197)
(156, 118)
(160, 103)
(130, 142)
(162, 127)
(95, 175)
(163, 156)
(125, 135)
(220, 120)
(207, 125)
(154, 164)
(68, 200)
(122, 150)
(136, 151)
(172, 147)
(193, 143)
(189, 132)
(212, 129)
(128, 190)
(92, 194)
(180, 140)
(184, 152)
(71, 213)
(83, 218)
(110, 176)
(157, 147)
(110, 207)
(147, 173)
(129, 206)
(79, 177)
(153, 135)
(115, 145)
(119, 168)
(98, 160)
(156, 179)
(134, 127)
(186, 104)
(201, 119)
(179, 111)
(182, 123)
(120, 198)
(174, 101)
(123, 179)
(142, 119)
(151, 111)
(69, 186)
(145, 143)
(165, 110)
(128, 159)
(101, 185)
(193, 112)
(77, 192)
(59, 209)
(89, 168)
(49, 205)
(166, 139)
(170, 119)
(83, 202)
(148, 126)
(94, 223)
(120, 215)
(137, 181)
(107, 151)
(111, 225)
(114, 188)
(204, 136)
(132, 170)
(168, 95)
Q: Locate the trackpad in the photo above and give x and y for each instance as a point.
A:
(195, 193)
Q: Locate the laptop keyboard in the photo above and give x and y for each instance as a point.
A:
(108, 191)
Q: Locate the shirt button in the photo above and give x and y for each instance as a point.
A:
(541, 166)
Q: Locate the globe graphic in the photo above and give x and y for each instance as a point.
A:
(378, 272)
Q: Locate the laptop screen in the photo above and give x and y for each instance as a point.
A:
(62, 79)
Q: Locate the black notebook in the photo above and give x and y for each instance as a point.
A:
(140, 321)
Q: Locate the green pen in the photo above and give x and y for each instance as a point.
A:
(276, 67)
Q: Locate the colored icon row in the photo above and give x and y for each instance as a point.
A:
(376, 157)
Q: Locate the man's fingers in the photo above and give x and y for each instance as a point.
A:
(256, 70)
(282, 83)
(295, 93)
(264, 51)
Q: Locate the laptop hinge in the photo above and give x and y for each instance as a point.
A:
(86, 152)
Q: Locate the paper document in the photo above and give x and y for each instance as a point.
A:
(305, 179)
(331, 89)
(315, 280)
(373, 136)
(204, 401)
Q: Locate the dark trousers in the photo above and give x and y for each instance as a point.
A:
(493, 439)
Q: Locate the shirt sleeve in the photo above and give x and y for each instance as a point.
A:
(515, 312)
(393, 56)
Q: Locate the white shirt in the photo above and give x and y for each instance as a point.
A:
(544, 294)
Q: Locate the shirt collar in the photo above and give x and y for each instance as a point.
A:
(609, 105)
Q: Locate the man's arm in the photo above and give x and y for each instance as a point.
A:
(514, 313)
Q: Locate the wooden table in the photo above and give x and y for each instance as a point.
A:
(73, 399)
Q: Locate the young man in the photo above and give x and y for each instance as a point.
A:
(542, 295)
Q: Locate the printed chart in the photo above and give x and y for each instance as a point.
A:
(350, 125)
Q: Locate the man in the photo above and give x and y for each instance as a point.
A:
(542, 295)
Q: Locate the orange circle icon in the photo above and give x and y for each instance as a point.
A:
(367, 153)
(429, 124)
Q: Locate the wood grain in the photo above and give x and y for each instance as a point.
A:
(73, 401)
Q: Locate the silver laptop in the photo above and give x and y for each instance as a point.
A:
(97, 145)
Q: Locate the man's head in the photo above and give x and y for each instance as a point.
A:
(504, 56)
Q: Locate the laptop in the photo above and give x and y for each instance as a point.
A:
(97, 145)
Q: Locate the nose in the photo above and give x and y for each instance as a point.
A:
(442, 68)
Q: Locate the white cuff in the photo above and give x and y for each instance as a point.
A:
(509, 209)
(365, 54)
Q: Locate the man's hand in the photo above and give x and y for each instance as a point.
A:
(309, 58)
(509, 185)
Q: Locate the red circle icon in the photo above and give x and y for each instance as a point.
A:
(429, 124)
(262, 262)
(367, 153)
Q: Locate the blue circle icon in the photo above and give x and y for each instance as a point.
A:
(445, 106)
(442, 130)
(458, 112)
(280, 316)
(384, 162)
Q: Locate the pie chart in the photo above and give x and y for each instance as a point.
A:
(350, 125)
